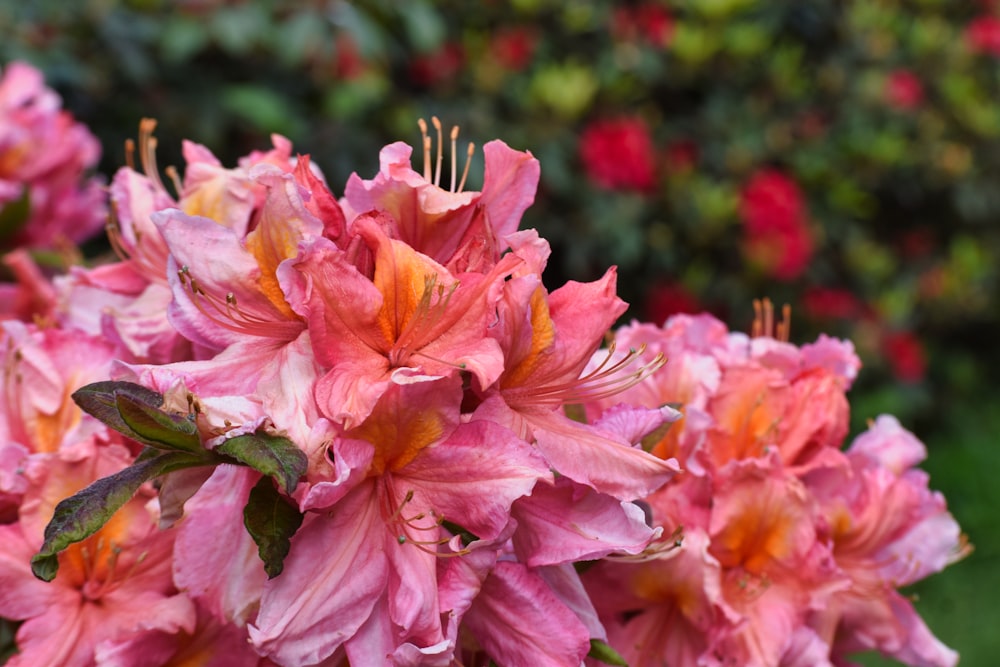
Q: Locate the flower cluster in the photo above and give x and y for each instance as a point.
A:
(355, 412)
(792, 548)
(45, 197)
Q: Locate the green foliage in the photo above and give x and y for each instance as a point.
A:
(271, 519)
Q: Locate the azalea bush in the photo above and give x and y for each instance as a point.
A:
(286, 426)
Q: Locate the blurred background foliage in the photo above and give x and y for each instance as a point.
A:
(842, 156)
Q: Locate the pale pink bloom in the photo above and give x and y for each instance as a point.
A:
(114, 586)
(374, 550)
(44, 155)
(888, 530)
(41, 368)
(461, 229)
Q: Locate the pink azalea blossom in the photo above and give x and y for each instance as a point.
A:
(461, 229)
(374, 550)
(44, 155)
(115, 586)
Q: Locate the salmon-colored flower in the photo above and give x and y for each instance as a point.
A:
(114, 586)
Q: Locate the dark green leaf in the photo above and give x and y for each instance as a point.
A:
(157, 428)
(601, 651)
(273, 455)
(99, 400)
(271, 519)
(14, 214)
(78, 517)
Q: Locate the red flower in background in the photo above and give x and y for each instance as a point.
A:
(982, 35)
(824, 303)
(650, 22)
(668, 299)
(681, 155)
(514, 48)
(777, 237)
(348, 63)
(906, 356)
(903, 90)
(437, 67)
(618, 154)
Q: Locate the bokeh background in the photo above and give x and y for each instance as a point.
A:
(841, 156)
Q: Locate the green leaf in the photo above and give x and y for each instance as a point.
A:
(273, 455)
(15, 214)
(601, 651)
(78, 517)
(157, 428)
(271, 519)
(134, 411)
(99, 399)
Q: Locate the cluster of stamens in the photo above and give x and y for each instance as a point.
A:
(427, 315)
(608, 379)
(97, 582)
(403, 526)
(428, 144)
(228, 314)
(661, 547)
(764, 324)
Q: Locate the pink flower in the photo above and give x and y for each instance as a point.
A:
(44, 155)
(115, 586)
(888, 530)
(464, 230)
(982, 35)
(374, 542)
(903, 90)
(776, 232)
(618, 154)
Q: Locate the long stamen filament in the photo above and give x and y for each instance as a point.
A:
(437, 169)
(228, 314)
(425, 142)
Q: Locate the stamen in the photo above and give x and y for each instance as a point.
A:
(426, 316)
(602, 382)
(764, 324)
(227, 313)
(437, 169)
(454, 156)
(407, 524)
(175, 179)
(468, 159)
(147, 151)
(130, 154)
(426, 142)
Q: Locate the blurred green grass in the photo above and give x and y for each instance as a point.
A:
(960, 605)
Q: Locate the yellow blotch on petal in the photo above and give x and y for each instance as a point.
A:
(398, 432)
(271, 243)
(543, 334)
